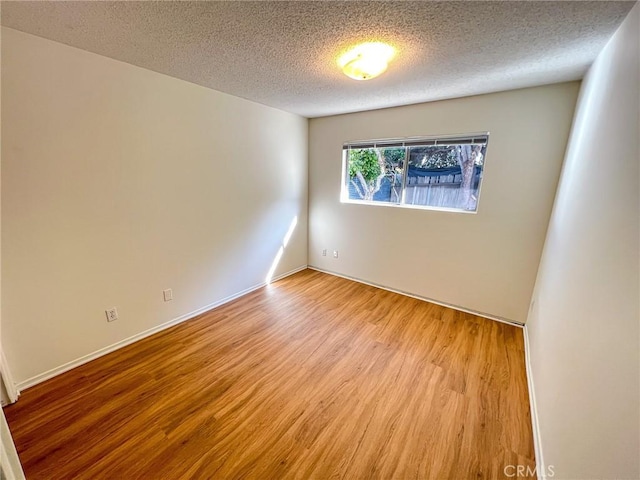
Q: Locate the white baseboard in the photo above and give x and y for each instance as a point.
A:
(7, 379)
(419, 297)
(541, 471)
(30, 382)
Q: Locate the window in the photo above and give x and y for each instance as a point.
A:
(430, 172)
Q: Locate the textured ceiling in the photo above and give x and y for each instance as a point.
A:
(283, 54)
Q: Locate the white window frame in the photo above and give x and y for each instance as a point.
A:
(407, 142)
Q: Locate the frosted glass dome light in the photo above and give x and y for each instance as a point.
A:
(367, 60)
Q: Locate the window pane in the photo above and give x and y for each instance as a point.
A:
(375, 174)
(445, 176)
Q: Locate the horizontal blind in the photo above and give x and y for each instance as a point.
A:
(479, 139)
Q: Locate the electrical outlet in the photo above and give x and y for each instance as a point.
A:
(324, 252)
(168, 294)
(112, 314)
(335, 254)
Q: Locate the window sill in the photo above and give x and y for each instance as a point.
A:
(409, 207)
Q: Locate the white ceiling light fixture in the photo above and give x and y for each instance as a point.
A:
(366, 60)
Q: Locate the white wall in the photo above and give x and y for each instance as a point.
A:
(118, 182)
(584, 327)
(485, 262)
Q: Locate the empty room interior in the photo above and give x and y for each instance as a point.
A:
(320, 239)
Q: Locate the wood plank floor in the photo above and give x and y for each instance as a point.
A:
(312, 377)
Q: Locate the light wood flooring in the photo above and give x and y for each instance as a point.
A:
(314, 376)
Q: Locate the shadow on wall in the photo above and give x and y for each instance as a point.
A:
(278, 256)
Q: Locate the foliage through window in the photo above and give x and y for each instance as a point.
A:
(426, 172)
